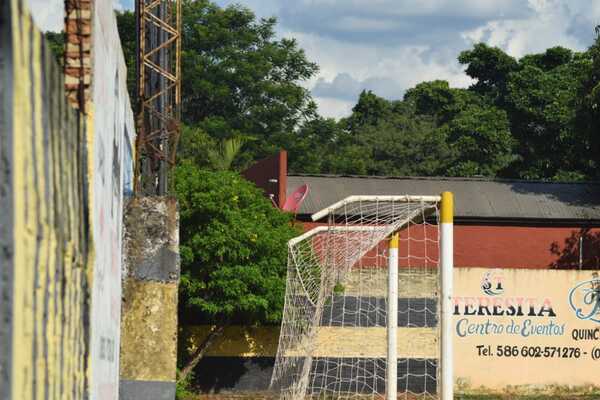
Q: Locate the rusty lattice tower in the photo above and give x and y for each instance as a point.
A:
(159, 93)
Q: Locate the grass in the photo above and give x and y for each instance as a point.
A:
(507, 396)
(528, 397)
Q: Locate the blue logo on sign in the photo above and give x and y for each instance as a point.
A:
(585, 299)
(491, 284)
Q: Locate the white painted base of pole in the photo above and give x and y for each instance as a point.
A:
(446, 351)
(392, 325)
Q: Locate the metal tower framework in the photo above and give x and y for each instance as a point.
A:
(159, 93)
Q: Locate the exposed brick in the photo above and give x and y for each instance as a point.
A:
(78, 28)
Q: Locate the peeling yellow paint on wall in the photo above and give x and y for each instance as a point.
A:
(50, 261)
(244, 341)
(153, 307)
(22, 326)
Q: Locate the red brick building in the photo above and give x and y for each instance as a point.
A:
(498, 223)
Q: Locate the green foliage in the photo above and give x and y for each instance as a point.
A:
(224, 154)
(339, 289)
(203, 151)
(490, 67)
(56, 42)
(481, 141)
(233, 248)
(182, 387)
(196, 146)
(532, 118)
(369, 110)
(127, 32)
(240, 80)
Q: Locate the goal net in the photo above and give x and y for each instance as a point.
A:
(341, 337)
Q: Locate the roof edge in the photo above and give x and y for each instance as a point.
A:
(445, 178)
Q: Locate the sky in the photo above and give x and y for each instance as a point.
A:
(388, 46)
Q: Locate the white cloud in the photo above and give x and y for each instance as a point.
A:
(352, 23)
(334, 108)
(550, 25)
(411, 8)
(348, 68)
(389, 46)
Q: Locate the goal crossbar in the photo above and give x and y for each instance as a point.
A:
(322, 229)
(357, 198)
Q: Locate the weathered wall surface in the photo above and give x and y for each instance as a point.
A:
(44, 221)
(149, 313)
(110, 148)
(61, 190)
(528, 331)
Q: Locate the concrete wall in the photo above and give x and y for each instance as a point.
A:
(149, 313)
(61, 190)
(110, 147)
(547, 320)
(46, 250)
(553, 343)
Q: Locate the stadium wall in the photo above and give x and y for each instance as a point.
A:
(536, 261)
(63, 172)
(533, 331)
(111, 147)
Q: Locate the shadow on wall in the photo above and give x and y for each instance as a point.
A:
(568, 255)
(232, 374)
(240, 360)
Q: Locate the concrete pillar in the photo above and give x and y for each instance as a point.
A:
(149, 309)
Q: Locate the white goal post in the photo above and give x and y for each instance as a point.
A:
(346, 255)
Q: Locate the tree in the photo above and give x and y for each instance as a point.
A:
(549, 103)
(588, 111)
(434, 98)
(490, 67)
(203, 151)
(439, 100)
(233, 251)
(224, 154)
(550, 59)
(541, 106)
(239, 78)
(402, 144)
(481, 141)
(127, 33)
(369, 110)
(310, 147)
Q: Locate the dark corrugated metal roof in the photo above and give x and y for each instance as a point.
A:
(474, 198)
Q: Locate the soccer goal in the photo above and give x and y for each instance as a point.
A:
(341, 336)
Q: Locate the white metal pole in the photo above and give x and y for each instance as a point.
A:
(392, 321)
(447, 265)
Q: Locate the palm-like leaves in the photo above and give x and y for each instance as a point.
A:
(225, 152)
